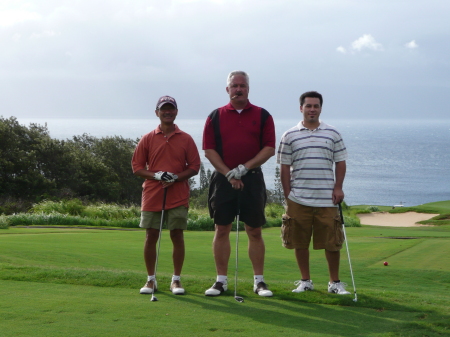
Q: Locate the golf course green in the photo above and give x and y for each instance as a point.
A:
(85, 282)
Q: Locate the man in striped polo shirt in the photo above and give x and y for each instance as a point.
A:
(307, 154)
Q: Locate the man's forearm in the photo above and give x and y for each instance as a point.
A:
(260, 158)
(339, 172)
(216, 161)
(285, 177)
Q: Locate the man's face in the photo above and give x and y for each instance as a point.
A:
(238, 89)
(311, 110)
(167, 113)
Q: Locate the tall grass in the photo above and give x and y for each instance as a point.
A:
(74, 213)
(56, 219)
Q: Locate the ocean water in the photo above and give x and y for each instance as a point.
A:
(390, 161)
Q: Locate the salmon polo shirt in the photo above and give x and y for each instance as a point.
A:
(156, 152)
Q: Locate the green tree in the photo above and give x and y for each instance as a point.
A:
(278, 187)
(204, 181)
(20, 172)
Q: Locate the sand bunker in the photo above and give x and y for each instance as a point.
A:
(407, 219)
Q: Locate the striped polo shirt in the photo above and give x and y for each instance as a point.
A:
(311, 155)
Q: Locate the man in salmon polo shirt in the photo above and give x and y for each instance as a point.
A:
(166, 158)
(238, 138)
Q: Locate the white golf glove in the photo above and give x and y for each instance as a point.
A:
(237, 173)
(165, 176)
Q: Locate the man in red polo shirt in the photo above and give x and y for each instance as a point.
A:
(238, 138)
(166, 158)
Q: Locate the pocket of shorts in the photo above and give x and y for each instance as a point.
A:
(338, 231)
(286, 227)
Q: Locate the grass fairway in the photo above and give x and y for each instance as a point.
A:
(78, 282)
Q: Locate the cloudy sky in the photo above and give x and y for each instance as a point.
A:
(113, 59)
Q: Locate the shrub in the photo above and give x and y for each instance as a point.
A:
(11, 205)
(273, 222)
(373, 208)
(274, 210)
(111, 212)
(56, 219)
(4, 222)
(70, 207)
(200, 223)
(352, 221)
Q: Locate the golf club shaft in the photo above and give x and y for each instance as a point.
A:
(237, 245)
(159, 235)
(348, 252)
(237, 250)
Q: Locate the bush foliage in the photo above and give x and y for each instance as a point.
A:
(34, 167)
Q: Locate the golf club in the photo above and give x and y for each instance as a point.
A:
(348, 253)
(237, 298)
(154, 299)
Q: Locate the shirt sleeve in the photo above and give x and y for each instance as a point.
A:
(269, 137)
(284, 154)
(139, 160)
(193, 158)
(340, 151)
(209, 141)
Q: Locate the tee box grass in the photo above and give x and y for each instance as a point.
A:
(79, 282)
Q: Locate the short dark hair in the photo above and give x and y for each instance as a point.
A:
(313, 94)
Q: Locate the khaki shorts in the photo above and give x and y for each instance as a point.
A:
(322, 223)
(175, 218)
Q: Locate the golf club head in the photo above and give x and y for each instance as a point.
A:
(239, 298)
(153, 299)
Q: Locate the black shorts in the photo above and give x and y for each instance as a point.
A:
(223, 199)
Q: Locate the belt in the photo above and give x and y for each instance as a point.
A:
(255, 170)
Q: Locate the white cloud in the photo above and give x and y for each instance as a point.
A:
(11, 17)
(47, 33)
(412, 45)
(341, 50)
(16, 37)
(366, 41)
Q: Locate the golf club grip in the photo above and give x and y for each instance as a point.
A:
(340, 213)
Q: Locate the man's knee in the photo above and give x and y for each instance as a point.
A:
(176, 235)
(254, 233)
(222, 232)
(151, 236)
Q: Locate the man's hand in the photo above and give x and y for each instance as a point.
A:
(237, 173)
(165, 176)
(237, 184)
(338, 195)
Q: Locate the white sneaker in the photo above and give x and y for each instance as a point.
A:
(148, 287)
(217, 289)
(176, 288)
(338, 288)
(261, 290)
(303, 286)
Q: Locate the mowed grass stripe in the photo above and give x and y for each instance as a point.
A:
(93, 279)
(66, 310)
(431, 254)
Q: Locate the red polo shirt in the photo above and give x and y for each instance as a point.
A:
(240, 133)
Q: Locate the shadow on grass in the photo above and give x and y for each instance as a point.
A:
(349, 320)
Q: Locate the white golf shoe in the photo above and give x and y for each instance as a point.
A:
(337, 288)
(148, 287)
(217, 289)
(303, 286)
(176, 288)
(261, 290)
